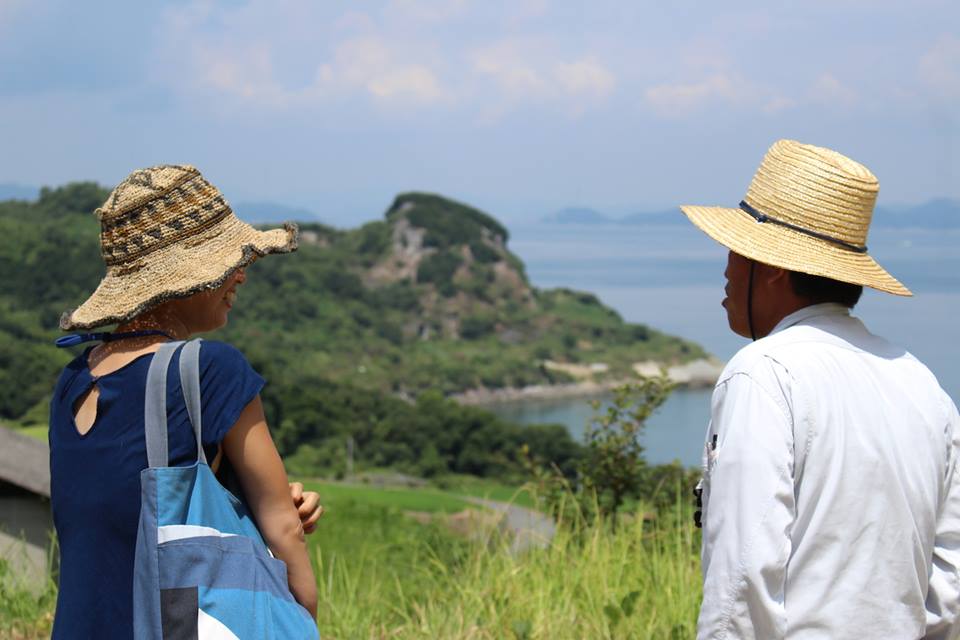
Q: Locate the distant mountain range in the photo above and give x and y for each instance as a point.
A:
(939, 213)
(586, 215)
(272, 213)
(10, 191)
(258, 212)
(577, 215)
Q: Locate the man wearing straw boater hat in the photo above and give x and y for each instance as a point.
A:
(830, 499)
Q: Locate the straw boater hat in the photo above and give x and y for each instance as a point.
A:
(808, 209)
(167, 233)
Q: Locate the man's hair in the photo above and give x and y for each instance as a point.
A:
(818, 289)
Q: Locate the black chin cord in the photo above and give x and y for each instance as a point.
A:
(753, 335)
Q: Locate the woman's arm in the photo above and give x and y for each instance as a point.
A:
(251, 451)
(307, 502)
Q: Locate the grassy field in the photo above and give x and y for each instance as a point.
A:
(38, 431)
(640, 581)
(25, 613)
(353, 496)
(490, 489)
(383, 575)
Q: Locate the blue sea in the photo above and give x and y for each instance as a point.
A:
(671, 277)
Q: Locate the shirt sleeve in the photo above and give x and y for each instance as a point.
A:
(227, 384)
(943, 593)
(749, 509)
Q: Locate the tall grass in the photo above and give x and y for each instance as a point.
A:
(640, 580)
(26, 609)
(382, 575)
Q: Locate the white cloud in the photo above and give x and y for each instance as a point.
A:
(526, 71)
(828, 90)
(511, 66)
(369, 64)
(682, 98)
(674, 100)
(585, 77)
(355, 21)
(939, 68)
(282, 63)
(414, 81)
(522, 10)
(429, 11)
(777, 104)
(245, 71)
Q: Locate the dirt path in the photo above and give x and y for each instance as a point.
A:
(530, 528)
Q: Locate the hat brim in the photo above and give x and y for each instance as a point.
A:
(180, 270)
(788, 249)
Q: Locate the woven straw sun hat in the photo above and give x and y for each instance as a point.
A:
(808, 209)
(165, 233)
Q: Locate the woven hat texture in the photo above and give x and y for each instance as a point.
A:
(808, 209)
(165, 233)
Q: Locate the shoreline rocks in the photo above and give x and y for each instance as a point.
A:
(697, 374)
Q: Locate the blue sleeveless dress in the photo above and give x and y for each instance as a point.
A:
(95, 478)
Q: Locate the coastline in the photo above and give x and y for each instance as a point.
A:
(697, 374)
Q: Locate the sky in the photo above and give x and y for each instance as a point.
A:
(519, 107)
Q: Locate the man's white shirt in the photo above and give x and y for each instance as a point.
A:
(831, 500)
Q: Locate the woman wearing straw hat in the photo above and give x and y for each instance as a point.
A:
(175, 257)
(830, 496)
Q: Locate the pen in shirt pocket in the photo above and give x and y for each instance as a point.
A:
(713, 442)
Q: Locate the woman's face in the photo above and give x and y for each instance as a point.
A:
(208, 310)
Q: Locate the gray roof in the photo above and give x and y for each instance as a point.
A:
(24, 461)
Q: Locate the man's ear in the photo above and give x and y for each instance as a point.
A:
(773, 276)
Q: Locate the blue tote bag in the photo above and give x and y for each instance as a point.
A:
(202, 569)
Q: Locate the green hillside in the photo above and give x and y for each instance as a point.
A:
(361, 332)
(430, 298)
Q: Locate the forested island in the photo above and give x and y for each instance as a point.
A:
(363, 333)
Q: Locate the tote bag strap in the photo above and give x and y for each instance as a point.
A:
(190, 383)
(155, 406)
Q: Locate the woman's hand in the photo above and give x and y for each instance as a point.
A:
(308, 506)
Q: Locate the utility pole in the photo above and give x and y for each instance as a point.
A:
(349, 457)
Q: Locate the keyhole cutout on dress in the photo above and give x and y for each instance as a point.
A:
(85, 409)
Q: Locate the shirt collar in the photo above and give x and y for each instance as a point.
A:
(806, 313)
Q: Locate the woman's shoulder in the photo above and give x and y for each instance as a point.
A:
(221, 357)
(71, 371)
(227, 384)
(217, 350)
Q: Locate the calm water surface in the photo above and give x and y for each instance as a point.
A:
(671, 278)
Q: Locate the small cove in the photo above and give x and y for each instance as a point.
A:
(671, 278)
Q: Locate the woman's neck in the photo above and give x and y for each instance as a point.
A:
(166, 322)
(109, 356)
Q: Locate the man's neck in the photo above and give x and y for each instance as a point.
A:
(784, 306)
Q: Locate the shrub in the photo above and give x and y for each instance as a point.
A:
(446, 221)
(438, 269)
(477, 326)
(611, 468)
(484, 253)
(401, 296)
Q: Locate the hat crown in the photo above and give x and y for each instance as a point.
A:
(144, 185)
(816, 189)
(154, 208)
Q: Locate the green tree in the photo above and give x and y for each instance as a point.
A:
(613, 466)
(610, 468)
